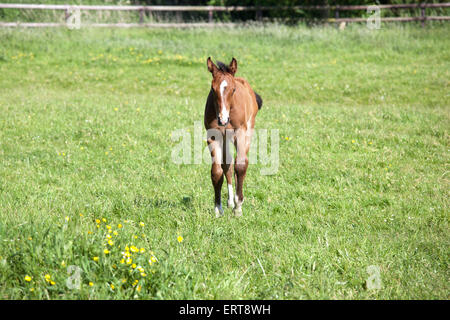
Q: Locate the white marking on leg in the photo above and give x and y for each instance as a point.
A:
(218, 210)
(237, 206)
(230, 196)
(237, 202)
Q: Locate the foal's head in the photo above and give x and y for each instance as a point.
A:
(223, 88)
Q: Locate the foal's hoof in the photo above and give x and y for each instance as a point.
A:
(237, 212)
(230, 203)
(218, 211)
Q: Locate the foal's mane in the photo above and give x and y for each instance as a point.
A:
(223, 67)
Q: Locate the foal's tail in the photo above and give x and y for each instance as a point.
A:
(258, 100)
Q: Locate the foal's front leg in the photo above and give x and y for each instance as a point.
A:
(242, 144)
(216, 174)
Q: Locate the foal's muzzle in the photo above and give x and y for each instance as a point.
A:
(222, 123)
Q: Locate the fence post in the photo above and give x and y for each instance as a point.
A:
(66, 15)
(141, 15)
(258, 15)
(210, 16)
(336, 15)
(423, 16)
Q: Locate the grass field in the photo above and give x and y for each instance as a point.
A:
(363, 183)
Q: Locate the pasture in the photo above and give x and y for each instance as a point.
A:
(87, 179)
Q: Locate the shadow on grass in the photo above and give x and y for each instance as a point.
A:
(155, 203)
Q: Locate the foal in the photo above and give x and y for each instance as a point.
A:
(230, 114)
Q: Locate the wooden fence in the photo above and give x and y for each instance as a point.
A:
(67, 9)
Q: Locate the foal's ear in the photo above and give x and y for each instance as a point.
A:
(233, 66)
(211, 66)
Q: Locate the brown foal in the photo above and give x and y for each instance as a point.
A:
(230, 112)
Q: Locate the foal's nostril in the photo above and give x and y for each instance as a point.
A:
(222, 123)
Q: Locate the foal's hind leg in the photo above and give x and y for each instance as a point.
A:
(227, 168)
(228, 171)
(216, 174)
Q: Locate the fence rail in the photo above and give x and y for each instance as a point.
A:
(211, 9)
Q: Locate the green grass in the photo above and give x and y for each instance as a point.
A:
(363, 180)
